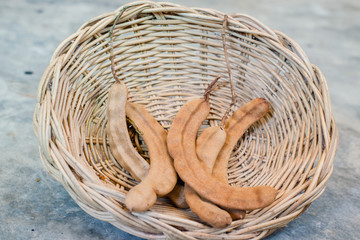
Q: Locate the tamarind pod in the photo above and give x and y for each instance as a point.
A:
(162, 177)
(181, 146)
(177, 194)
(208, 145)
(235, 127)
(117, 131)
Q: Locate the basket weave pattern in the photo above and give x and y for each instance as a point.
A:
(167, 54)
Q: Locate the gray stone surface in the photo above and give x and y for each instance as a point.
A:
(329, 32)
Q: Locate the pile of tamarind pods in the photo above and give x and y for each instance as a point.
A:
(200, 162)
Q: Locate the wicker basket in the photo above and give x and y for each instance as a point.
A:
(167, 54)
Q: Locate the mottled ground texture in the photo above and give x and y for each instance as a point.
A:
(329, 32)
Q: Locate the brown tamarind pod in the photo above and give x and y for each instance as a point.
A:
(181, 145)
(117, 131)
(162, 177)
(235, 127)
(120, 140)
(208, 146)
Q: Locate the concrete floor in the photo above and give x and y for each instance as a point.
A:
(328, 30)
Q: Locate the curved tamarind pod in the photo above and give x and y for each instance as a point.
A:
(208, 146)
(235, 127)
(139, 167)
(119, 140)
(176, 196)
(181, 146)
(162, 177)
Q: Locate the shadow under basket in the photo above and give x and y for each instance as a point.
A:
(167, 54)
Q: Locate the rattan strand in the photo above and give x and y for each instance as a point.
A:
(167, 54)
